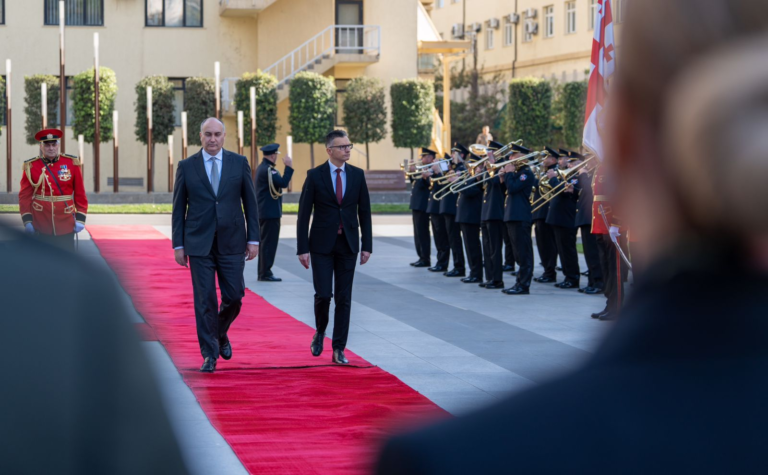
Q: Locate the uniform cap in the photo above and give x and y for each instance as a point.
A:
(552, 152)
(520, 149)
(48, 135)
(426, 151)
(493, 145)
(270, 149)
(460, 148)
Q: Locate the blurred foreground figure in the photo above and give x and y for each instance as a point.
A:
(77, 395)
(680, 385)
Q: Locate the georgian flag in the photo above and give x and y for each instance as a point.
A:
(602, 68)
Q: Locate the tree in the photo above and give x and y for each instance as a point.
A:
(529, 111)
(573, 100)
(33, 104)
(83, 96)
(365, 112)
(200, 103)
(266, 106)
(313, 109)
(163, 109)
(412, 113)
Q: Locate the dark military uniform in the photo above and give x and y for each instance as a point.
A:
(584, 223)
(270, 210)
(439, 230)
(448, 206)
(492, 217)
(562, 217)
(468, 210)
(418, 206)
(546, 243)
(518, 219)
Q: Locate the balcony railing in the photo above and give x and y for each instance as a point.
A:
(242, 7)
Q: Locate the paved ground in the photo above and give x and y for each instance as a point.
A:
(460, 345)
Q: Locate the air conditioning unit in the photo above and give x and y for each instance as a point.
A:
(531, 27)
(457, 31)
(493, 23)
(531, 13)
(513, 18)
(475, 28)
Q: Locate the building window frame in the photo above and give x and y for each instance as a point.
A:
(2, 12)
(570, 17)
(509, 33)
(489, 38)
(183, 89)
(184, 16)
(3, 121)
(549, 21)
(53, 20)
(594, 7)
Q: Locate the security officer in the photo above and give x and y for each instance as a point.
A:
(433, 209)
(418, 206)
(448, 212)
(584, 222)
(468, 209)
(269, 196)
(545, 234)
(52, 200)
(492, 217)
(519, 181)
(562, 217)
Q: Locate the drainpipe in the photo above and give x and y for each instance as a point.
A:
(514, 61)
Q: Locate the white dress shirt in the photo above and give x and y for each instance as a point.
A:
(343, 177)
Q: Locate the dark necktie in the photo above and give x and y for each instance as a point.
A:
(339, 194)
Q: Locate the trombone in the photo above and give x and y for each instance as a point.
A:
(531, 160)
(443, 192)
(482, 151)
(422, 168)
(490, 172)
(565, 176)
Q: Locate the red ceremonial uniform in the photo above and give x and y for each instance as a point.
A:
(600, 190)
(50, 210)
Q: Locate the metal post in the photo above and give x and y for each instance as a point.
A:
(81, 150)
(62, 79)
(217, 71)
(8, 128)
(253, 132)
(170, 163)
(240, 139)
(289, 151)
(446, 102)
(149, 140)
(44, 103)
(97, 118)
(115, 150)
(184, 135)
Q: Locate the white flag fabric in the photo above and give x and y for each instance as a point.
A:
(602, 68)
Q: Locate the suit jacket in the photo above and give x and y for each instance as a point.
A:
(562, 208)
(433, 205)
(419, 194)
(677, 387)
(469, 205)
(270, 208)
(519, 184)
(199, 214)
(354, 212)
(584, 204)
(493, 200)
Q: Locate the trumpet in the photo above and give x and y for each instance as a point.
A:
(531, 160)
(445, 191)
(422, 168)
(409, 164)
(482, 150)
(565, 177)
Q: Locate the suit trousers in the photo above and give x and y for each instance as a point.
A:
(332, 276)
(213, 321)
(471, 234)
(454, 240)
(269, 232)
(569, 256)
(547, 247)
(520, 233)
(493, 239)
(442, 243)
(509, 249)
(608, 256)
(592, 256)
(421, 236)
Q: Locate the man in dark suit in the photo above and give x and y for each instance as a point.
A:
(448, 213)
(339, 196)
(546, 243)
(562, 218)
(439, 232)
(269, 196)
(492, 217)
(212, 189)
(468, 208)
(519, 181)
(418, 206)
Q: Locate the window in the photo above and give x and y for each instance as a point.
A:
(509, 33)
(2, 12)
(570, 17)
(69, 88)
(174, 13)
(179, 88)
(2, 109)
(489, 38)
(594, 7)
(440, 3)
(341, 91)
(78, 12)
(527, 35)
(549, 21)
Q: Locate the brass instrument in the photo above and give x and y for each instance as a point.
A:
(565, 177)
(531, 160)
(422, 168)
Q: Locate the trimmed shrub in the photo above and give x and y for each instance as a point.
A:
(200, 103)
(266, 106)
(313, 109)
(33, 104)
(365, 113)
(163, 119)
(83, 102)
(412, 113)
(529, 112)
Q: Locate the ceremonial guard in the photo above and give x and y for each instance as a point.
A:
(519, 181)
(584, 222)
(52, 200)
(418, 206)
(269, 196)
(562, 217)
(492, 217)
(448, 206)
(545, 234)
(433, 209)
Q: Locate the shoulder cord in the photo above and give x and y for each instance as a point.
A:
(273, 191)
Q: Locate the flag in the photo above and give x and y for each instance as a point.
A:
(602, 68)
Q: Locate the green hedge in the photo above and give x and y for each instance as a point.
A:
(200, 103)
(529, 112)
(163, 119)
(573, 101)
(33, 104)
(83, 101)
(412, 112)
(313, 109)
(266, 106)
(365, 112)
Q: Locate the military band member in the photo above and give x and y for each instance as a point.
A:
(519, 181)
(269, 196)
(448, 212)
(584, 222)
(546, 243)
(52, 200)
(440, 234)
(468, 210)
(492, 217)
(509, 249)
(418, 206)
(562, 217)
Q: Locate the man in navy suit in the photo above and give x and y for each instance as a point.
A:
(342, 208)
(213, 188)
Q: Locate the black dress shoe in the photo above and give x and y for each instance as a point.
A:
(414, 263)
(594, 291)
(567, 285)
(585, 273)
(209, 366)
(495, 285)
(544, 280)
(559, 269)
(597, 315)
(508, 269)
(455, 273)
(581, 290)
(339, 358)
(513, 273)
(438, 269)
(421, 264)
(471, 280)
(317, 344)
(271, 278)
(607, 317)
(225, 350)
(516, 290)
(483, 284)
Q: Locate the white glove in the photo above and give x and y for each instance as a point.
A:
(79, 226)
(614, 232)
(29, 228)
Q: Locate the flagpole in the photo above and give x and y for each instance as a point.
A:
(62, 79)
(97, 117)
(8, 128)
(44, 103)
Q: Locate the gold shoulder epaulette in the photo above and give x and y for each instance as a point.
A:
(28, 163)
(75, 159)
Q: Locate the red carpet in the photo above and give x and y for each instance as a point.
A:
(281, 410)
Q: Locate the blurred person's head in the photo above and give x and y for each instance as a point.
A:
(687, 116)
(486, 129)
